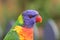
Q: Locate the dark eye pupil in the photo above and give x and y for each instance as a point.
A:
(30, 16)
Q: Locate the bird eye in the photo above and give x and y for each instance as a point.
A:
(30, 16)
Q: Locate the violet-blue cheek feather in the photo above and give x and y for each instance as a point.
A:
(29, 22)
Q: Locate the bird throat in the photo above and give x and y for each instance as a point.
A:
(28, 23)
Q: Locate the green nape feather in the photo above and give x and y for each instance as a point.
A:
(12, 35)
(20, 19)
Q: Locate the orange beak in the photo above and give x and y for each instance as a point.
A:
(38, 19)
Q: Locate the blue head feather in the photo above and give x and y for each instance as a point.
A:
(29, 21)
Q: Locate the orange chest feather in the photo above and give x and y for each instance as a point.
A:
(24, 33)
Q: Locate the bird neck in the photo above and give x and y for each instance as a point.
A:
(28, 24)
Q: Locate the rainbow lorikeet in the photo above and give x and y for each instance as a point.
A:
(23, 29)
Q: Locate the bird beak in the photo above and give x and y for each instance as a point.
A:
(38, 19)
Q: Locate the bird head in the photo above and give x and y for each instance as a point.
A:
(31, 17)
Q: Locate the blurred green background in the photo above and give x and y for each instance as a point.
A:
(11, 9)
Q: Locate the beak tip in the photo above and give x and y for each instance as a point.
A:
(40, 19)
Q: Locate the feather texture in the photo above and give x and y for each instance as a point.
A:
(23, 33)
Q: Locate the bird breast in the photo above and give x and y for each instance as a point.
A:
(24, 33)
